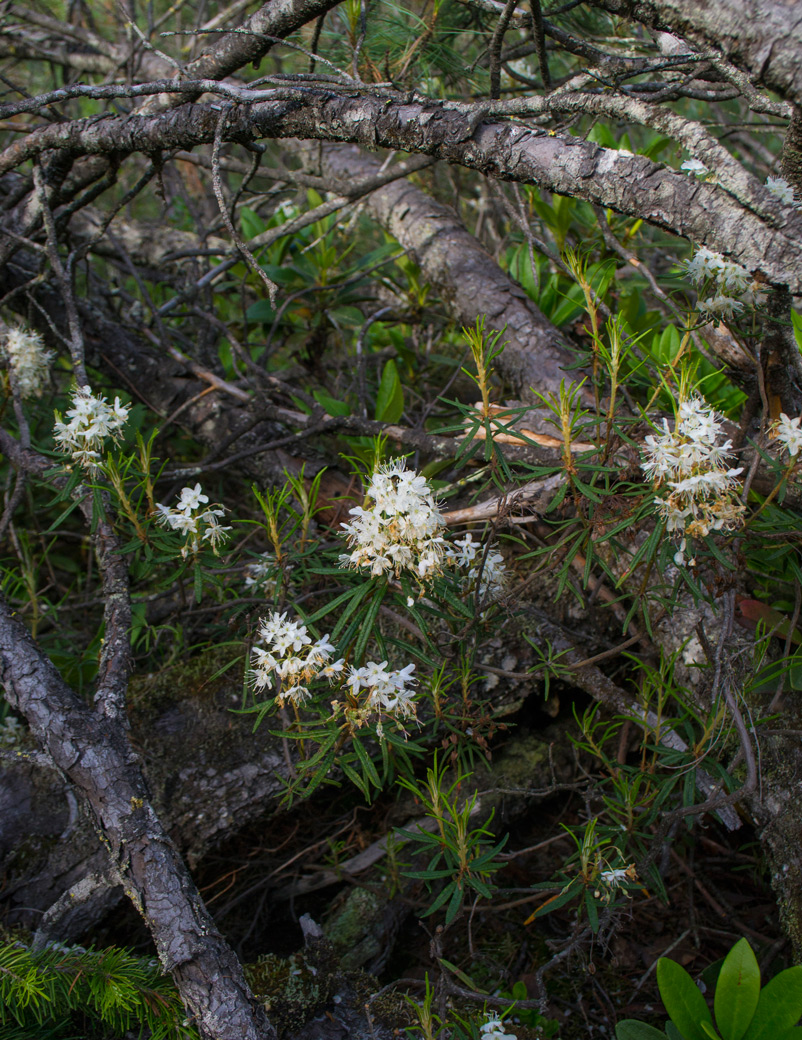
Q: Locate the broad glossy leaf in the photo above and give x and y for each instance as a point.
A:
(684, 1003)
(779, 1007)
(737, 991)
(631, 1029)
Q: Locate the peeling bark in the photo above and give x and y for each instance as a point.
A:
(94, 754)
(633, 185)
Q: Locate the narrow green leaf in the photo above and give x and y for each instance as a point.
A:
(466, 980)
(367, 625)
(737, 991)
(368, 767)
(684, 1003)
(390, 398)
(593, 911)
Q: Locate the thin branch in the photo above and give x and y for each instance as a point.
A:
(63, 279)
(272, 288)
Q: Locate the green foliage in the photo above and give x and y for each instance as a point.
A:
(743, 1011)
(57, 989)
(462, 856)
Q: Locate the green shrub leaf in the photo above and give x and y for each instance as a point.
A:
(737, 991)
(684, 1003)
(779, 1007)
(630, 1029)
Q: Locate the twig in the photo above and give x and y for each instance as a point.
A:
(217, 185)
(76, 337)
(495, 47)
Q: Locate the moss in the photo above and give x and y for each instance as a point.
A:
(296, 988)
(151, 694)
(351, 928)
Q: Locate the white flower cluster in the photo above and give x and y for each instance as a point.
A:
(610, 880)
(691, 470)
(782, 190)
(493, 1029)
(195, 519)
(694, 166)
(290, 662)
(468, 554)
(92, 420)
(28, 359)
(292, 658)
(260, 574)
(402, 528)
(788, 434)
(388, 690)
(734, 285)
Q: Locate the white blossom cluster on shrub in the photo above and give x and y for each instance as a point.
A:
(402, 528)
(782, 190)
(732, 287)
(689, 468)
(493, 1029)
(28, 359)
(779, 187)
(388, 690)
(92, 420)
(290, 656)
(788, 434)
(289, 662)
(194, 518)
(468, 554)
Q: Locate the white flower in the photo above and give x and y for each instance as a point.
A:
(389, 691)
(261, 572)
(285, 641)
(195, 520)
(694, 166)
(781, 189)
(613, 878)
(401, 529)
(28, 359)
(724, 306)
(92, 419)
(705, 264)
(689, 466)
(191, 499)
(789, 435)
(493, 1029)
(469, 555)
(755, 294)
(734, 278)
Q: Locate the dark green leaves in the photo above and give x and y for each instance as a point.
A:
(737, 991)
(684, 1003)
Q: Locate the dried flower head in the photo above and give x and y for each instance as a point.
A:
(28, 359)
